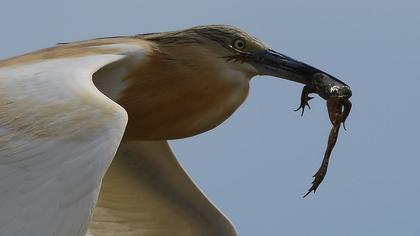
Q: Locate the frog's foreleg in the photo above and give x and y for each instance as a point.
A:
(304, 99)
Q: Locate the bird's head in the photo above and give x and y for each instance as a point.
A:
(233, 48)
(194, 79)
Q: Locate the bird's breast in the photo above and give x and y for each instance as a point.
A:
(176, 104)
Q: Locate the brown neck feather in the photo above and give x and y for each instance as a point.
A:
(179, 93)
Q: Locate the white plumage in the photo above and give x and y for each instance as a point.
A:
(58, 137)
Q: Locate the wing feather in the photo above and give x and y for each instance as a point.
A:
(146, 192)
(58, 135)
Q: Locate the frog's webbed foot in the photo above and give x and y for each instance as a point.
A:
(318, 178)
(304, 99)
(304, 103)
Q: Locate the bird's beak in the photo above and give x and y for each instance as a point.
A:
(272, 63)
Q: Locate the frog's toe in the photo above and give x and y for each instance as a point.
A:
(304, 103)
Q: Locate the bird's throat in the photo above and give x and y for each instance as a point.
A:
(167, 99)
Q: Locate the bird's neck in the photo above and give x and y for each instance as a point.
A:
(171, 95)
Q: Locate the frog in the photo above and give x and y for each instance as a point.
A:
(336, 94)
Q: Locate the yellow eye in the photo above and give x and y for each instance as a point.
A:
(239, 44)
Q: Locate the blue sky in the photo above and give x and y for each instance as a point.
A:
(257, 165)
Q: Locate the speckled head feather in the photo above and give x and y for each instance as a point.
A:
(221, 38)
(222, 34)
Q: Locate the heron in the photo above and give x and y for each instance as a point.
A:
(84, 129)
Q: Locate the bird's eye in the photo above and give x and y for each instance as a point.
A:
(239, 44)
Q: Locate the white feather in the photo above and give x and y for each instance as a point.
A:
(58, 135)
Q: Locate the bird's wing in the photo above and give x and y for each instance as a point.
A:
(146, 192)
(58, 135)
